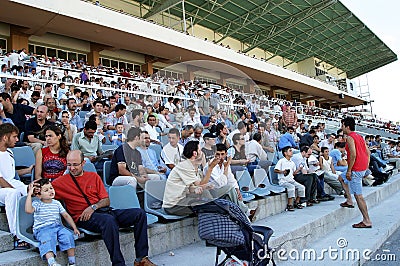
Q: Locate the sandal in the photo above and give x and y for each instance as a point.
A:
(298, 206)
(314, 201)
(346, 205)
(309, 204)
(290, 208)
(361, 225)
(20, 244)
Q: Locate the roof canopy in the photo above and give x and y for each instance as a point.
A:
(293, 29)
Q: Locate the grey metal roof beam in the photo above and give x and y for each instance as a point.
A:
(161, 7)
(291, 21)
(259, 11)
(371, 66)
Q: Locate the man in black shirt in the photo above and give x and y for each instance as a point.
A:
(307, 139)
(35, 135)
(16, 112)
(209, 147)
(126, 163)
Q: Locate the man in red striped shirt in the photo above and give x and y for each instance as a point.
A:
(289, 117)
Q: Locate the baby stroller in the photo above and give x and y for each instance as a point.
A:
(224, 225)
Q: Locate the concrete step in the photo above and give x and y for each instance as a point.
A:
(291, 229)
(297, 229)
(172, 235)
(6, 241)
(353, 246)
(3, 222)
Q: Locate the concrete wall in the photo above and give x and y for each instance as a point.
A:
(4, 29)
(307, 66)
(59, 41)
(123, 55)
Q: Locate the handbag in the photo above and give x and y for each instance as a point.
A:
(99, 210)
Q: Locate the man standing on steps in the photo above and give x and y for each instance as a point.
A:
(358, 161)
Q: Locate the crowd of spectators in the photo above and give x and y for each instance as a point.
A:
(204, 139)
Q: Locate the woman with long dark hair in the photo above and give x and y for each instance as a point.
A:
(51, 160)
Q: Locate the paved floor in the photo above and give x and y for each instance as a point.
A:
(389, 252)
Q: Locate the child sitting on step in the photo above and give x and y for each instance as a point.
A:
(47, 226)
(286, 170)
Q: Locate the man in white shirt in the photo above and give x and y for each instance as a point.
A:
(224, 183)
(242, 129)
(150, 127)
(22, 55)
(320, 133)
(11, 190)
(253, 105)
(162, 121)
(25, 91)
(171, 154)
(329, 142)
(305, 176)
(170, 105)
(149, 100)
(256, 154)
(190, 118)
(192, 104)
(13, 59)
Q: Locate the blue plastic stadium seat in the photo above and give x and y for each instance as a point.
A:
(261, 177)
(125, 197)
(153, 195)
(24, 157)
(246, 184)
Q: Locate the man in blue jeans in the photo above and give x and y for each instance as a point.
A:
(83, 202)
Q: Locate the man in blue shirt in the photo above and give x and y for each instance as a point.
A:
(225, 119)
(32, 64)
(287, 140)
(339, 163)
(75, 118)
(149, 158)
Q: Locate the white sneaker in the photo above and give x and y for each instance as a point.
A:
(55, 264)
(371, 177)
(388, 167)
(369, 182)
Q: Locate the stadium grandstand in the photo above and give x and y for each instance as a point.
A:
(200, 67)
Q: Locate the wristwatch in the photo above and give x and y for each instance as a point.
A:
(94, 207)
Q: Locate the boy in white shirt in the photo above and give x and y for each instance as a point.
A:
(286, 169)
(119, 136)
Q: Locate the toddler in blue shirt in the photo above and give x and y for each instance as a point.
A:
(47, 226)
